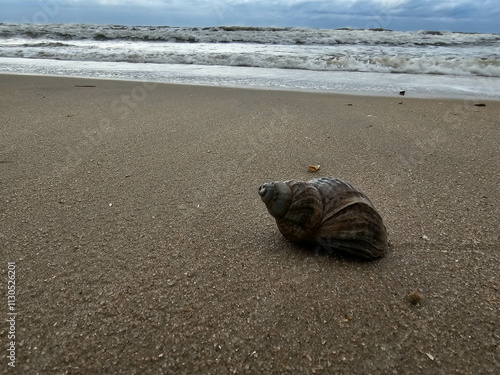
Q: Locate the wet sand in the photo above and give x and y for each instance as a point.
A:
(141, 244)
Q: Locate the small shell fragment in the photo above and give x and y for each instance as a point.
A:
(314, 168)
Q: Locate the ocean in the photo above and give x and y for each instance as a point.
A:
(366, 62)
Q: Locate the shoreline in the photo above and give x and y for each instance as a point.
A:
(303, 91)
(344, 83)
(131, 211)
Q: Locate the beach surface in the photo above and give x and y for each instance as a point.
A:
(131, 214)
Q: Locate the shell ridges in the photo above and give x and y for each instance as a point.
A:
(328, 212)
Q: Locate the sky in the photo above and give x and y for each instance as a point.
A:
(450, 15)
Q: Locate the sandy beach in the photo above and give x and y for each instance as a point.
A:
(141, 246)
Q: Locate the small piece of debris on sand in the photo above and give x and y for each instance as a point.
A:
(414, 298)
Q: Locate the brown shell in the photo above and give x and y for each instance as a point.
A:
(328, 212)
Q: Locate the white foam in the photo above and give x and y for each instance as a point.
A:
(361, 83)
(362, 58)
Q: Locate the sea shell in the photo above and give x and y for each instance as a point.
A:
(328, 212)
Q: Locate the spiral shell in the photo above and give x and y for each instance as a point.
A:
(328, 212)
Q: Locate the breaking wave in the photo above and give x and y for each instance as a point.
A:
(383, 51)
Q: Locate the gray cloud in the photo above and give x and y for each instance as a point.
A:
(455, 15)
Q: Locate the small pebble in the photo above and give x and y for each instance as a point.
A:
(414, 298)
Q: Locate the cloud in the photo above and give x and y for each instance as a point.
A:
(457, 15)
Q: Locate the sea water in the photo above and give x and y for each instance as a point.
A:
(366, 62)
